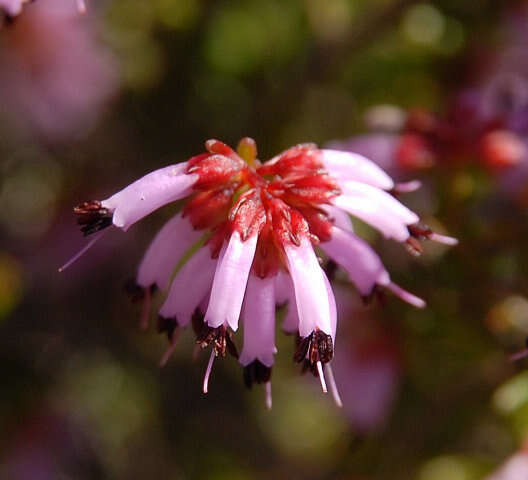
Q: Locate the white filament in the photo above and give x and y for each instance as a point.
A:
(321, 376)
(208, 371)
(333, 385)
(82, 251)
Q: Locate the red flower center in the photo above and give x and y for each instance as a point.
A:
(280, 201)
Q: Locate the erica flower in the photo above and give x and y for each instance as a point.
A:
(56, 78)
(246, 242)
(11, 7)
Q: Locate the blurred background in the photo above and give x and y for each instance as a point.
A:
(436, 91)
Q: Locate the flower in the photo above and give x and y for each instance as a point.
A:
(246, 242)
(11, 7)
(58, 76)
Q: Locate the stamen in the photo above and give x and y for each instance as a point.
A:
(168, 353)
(406, 187)
(267, 388)
(421, 231)
(145, 313)
(446, 240)
(81, 252)
(321, 376)
(413, 246)
(333, 385)
(405, 295)
(205, 387)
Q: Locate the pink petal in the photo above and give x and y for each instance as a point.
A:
(380, 148)
(333, 308)
(190, 286)
(369, 212)
(352, 166)
(341, 219)
(259, 321)
(165, 251)
(362, 263)
(149, 193)
(285, 293)
(230, 281)
(383, 200)
(311, 297)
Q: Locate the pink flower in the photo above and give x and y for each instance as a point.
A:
(55, 77)
(246, 242)
(12, 7)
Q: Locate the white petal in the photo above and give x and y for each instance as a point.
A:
(352, 166)
(259, 321)
(149, 193)
(190, 286)
(383, 200)
(230, 281)
(333, 308)
(311, 297)
(165, 251)
(369, 212)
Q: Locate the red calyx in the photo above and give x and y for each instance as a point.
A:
(314, 189)
(297, 161)
(208, 209)
(214, 170)
(248, 215)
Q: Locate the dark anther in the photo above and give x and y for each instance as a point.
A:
(376, 292)
(420, 231)
(256, 372)
(316, 347)
(92, 216)
(302, 345)
(308, 367)
(414, 247)
(219, 338)
(135, 291)
(167, 325)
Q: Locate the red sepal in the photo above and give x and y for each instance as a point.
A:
(213, 170)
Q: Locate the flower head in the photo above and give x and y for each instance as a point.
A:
(248, 239)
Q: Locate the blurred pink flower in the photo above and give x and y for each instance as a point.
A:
(42, 449)
(515, 468)
(55, 77)
(12, 7)
(367, 365)
(252, 229)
